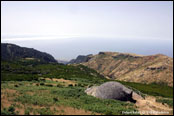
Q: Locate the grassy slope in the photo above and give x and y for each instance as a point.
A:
(71, 96)
(67, 96)
(151, 89)
(79, 73)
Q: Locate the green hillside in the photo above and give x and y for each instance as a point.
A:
(30, 76)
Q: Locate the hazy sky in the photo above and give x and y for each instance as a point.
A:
(60, 22)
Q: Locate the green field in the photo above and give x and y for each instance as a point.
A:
(75, 97)
(24, 77)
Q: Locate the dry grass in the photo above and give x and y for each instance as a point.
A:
(150, 104)
(7, 100)
(65, 82)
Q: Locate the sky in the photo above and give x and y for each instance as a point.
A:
(66, 29)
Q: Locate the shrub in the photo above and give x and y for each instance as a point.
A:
(16, 85)
(81, 85)
(5, 112)
(108, 113)
(70, 85)
(42, 83)
(84, 85)
(10, 111)
(44, 111)
(20, 84)
(166, 101)
(42, 79)
(27, 112)
(49, 85)
(55, 99)
(36, 79)
(59, 85)
(90, 85)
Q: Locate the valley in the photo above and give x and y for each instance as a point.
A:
(59, 89)
(130, 67)
(86, 58)
(31, 86)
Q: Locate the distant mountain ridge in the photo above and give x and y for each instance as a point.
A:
(132, 67)
(62, 61)
(14, 52)
(80, 59)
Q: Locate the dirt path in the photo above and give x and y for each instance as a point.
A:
(149, 106)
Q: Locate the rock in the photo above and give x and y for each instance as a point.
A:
(136, 96)
(80, 59)
(111, 90)
(156, 68)
(101, 53)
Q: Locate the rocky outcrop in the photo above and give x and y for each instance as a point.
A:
(156, 68)
(80, 59)
(133, 68)
(112, 90)
(14, 52)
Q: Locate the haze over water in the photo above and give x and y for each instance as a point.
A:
(68, 29)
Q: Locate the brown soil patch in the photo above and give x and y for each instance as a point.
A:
(7, 96)
(30, 93)
(10, 91)
(7, 101)
(64, 110)
(48, 79)
(20, 110)
(67, 82)
(149, 106)
(37, 92)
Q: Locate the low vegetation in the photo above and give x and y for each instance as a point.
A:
(70, 96)
(166, 101)
(39, 94)
(152, 89)
(8, 111)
